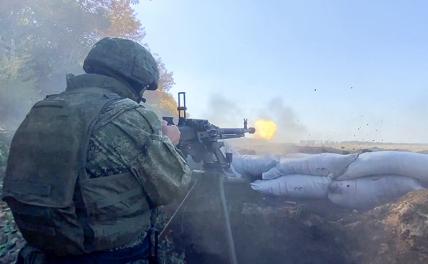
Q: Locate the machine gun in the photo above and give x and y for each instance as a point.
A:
(201, 140)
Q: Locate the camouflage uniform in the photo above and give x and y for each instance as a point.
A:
(119, 141)
(125, 150)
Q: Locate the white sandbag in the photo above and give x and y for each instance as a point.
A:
(253, 165)
(368, 192)
(402, 163)
(272, 173)
(297, 155)
(295, 186)
(324, 164)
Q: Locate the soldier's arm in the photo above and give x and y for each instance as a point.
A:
(163, 172)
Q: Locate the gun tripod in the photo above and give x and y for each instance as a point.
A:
(202, 220)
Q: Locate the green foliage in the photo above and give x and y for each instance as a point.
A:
(42, 40)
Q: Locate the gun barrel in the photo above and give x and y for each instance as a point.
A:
(234, 131)
(226, 133)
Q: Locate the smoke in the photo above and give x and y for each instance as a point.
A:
(289, 127)
(225, 112)
(35, 56)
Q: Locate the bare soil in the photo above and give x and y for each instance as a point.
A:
(277, 230)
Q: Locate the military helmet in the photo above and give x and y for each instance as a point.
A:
(125, 59)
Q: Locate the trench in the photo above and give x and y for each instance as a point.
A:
(265, 229)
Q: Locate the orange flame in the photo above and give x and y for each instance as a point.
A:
(265, 129)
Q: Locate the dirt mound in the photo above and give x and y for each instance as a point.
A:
(392, 233)
(408, 219)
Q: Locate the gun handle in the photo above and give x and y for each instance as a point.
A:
(169, 120)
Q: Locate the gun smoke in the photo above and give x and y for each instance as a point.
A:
(225, 112)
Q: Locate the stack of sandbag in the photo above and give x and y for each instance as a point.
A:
(379, 177)
(303, 175)
(368, 192)
(252, 166)
(295, 186)
(324, 164)
(408, 164)
(353, 181)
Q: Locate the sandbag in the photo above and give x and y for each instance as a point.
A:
(275, 172)
(295, 186)
(324, 164)
(253, 165)
(368, 192)
(401, 163)
(297, 155)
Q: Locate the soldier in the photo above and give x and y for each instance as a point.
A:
(88, 166)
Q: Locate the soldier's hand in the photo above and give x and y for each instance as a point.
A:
(172, 132)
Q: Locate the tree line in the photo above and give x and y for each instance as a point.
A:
(43, 40)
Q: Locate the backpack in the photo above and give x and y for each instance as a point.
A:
(56, 206)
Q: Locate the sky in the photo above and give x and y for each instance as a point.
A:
(323, 70)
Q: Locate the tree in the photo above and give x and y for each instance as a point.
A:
(161, 101)
(43, 40)
(122, 20)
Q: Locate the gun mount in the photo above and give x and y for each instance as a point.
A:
(202, 140)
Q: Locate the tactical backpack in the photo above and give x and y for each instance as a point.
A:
(56, 206)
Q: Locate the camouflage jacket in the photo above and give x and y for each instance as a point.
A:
(127, 137)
